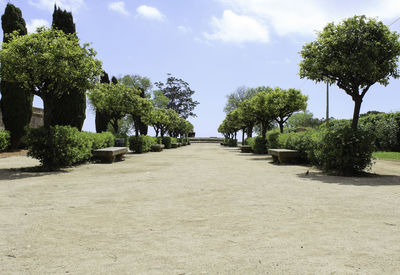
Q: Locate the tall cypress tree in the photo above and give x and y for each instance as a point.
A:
(70, 108)
(102, 120)
(16, 102)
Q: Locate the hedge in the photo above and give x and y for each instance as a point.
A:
(141, 144)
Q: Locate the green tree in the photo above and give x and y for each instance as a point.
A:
(246, 114)
(180, 96)
(239, 95)
(16, 102)
(70, 108)
(114, 100)
(354, 54)
(159, 99)
(47, 61)
(102, 119)
(262, 111)
(283, 103)
(161, 120)
(143, 84)
(303, 119)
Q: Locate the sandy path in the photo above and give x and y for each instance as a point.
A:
(200, 209)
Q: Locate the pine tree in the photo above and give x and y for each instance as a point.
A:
(102, 120)
(16, 103)
(70, 108)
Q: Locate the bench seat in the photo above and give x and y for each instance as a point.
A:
(110, 154)
(284, 155)
(246, 149)
(157, 147)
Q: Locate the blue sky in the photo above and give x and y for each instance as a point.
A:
(217, 46)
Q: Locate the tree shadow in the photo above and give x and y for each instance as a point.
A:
(366, 179)
(26, 172)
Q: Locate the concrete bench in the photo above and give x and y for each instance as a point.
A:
(157, 147)
(110, 154)
(284, 155)
(246, 149)
(174, 145)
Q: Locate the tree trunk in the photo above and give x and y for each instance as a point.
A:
(356, 114)
(281, 126)
(47, 106)
(249, 131)
(243, 135)
(263, 130)
(114, 123)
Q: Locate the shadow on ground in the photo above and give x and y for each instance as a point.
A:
(366, 180)
(26, 172)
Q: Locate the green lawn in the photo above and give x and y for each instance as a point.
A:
(387, 155)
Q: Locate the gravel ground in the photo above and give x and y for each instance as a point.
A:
(199, 209)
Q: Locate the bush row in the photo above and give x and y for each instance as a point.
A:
(337, 149)
(142, 144)
(63, 146)
(4, 140)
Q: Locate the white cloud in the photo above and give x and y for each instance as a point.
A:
(36, 23)
(288, 17)
(150, 13)
(118, 7)
(237, 28)
(71, 5)
(184, 29)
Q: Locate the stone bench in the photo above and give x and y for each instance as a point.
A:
(246, 149)
(110, 154)
(284, 155)
(174, 145)
(157, 147)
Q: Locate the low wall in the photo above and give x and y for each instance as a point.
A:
(36, 120)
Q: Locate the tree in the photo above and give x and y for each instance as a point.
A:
(115, 101)
(102, 119)
(241, 94)
(355, 54)
(262, 111)
(161, 120)
(70, 108)
(159, 99)
(283, 103)
(143, 84)
(303, 119)
(246, 114)
(16, 102)
(48, 61)
(180, 96)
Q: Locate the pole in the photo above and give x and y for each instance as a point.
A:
(327, 104)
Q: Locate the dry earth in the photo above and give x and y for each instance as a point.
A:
(200, 209)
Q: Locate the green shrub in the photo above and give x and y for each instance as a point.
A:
(4, 140)
(100, 140)
(232, 142)
(58, 146)
(249, 141)
(141, 144)
(167, 141)
(260, 146)
(272, 138)
(304, 142)
(346, 151)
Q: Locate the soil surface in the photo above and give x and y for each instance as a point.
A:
(199, 209)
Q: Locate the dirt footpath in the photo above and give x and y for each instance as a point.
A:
(200, 209)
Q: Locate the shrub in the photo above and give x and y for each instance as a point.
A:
(4, 140)
(304, 142)
(100, 140)
(249, 141)
(58, 146)
(272, 138)
(141, 144)
(167, 141)
(232, 142)
(346, 151)
(260, 146)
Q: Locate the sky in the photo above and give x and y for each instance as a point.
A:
(217, 46)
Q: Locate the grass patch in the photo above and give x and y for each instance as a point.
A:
(387, 155)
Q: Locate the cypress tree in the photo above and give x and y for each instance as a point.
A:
(102, 120)
(70, 108)
(16, 102)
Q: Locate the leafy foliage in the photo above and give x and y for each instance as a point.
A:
(353, 54)
(4, 140)
(180, 96)
(100, 140)
(260, 146)
(48, 61)
(303, 119)
(16, 102)
(102, 119)
(141, 144)
(237, 97)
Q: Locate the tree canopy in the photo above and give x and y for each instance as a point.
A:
(354, 54)
(180, 95)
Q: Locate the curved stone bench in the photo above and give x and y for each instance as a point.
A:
(246, 149)
(284, 155)
(157, 147)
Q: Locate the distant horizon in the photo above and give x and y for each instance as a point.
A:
(217, 46)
